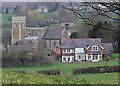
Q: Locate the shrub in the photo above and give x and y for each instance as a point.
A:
(115, 56)
(23, 72)
(99, 69)
(107, 58)
(49, 72)
(18, 59)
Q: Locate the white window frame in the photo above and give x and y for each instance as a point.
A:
(64, 50)
(100, 56)
(95, 48)
(89, 56)
(79, 57)
(68, 50)
(96, 56)
(64, 59)
(67, 59)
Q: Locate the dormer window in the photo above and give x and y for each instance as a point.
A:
(95, 48)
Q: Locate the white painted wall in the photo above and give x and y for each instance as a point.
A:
(82, 57)
(79, 50)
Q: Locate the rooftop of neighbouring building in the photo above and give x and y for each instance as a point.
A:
(53, 33)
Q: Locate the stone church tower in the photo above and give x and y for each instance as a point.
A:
(18, 28)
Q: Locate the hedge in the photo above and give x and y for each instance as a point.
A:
(49, 72)
(99, 69)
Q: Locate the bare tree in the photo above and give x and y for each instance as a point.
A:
(98, 8)
(108, 10)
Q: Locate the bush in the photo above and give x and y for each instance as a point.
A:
(107, 58)
(116, 56)
(49, 72)
(86, 70)
(23, 72)
(18, 59)
(100, 69)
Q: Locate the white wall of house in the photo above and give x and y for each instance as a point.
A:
(79, 56)
(67, 58)
(79, 50)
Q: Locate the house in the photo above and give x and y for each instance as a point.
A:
(108, 49)
(54, 37)
(84, 49)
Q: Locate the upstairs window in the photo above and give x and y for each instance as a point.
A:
(95, 48)
(68, 50)
(64, 50)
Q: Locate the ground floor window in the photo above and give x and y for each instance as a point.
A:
(100, 56)
(89, 56)
(95, 56)
(79, 57)
(67, 58)
(64, 58)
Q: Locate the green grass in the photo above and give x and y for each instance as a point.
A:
(65, 68)
(17, 78)
(116, 55)
(66, 76)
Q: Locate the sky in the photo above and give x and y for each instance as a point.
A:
(57, 0)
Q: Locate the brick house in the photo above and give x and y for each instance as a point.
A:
(84, 50)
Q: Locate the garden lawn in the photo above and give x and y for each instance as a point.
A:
(65, 68)
(17, 78)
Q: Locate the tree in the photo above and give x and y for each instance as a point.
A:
(34, 17)
(108, 10)
(96, 32)
(7, 11)
(74, 35)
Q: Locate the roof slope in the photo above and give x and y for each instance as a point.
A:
(107, 47)
(86, 41)
(15, 48)
(53, 33)
(80, 43)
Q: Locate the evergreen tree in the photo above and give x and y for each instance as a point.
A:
(96, 32)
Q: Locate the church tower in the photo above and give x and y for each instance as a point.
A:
(18, 28)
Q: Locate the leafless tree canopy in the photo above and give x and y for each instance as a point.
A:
(97, 8)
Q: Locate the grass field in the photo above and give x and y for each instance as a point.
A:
(65, 68)
(17, 78)
(66, 76)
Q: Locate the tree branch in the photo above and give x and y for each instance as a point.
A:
(78, 15)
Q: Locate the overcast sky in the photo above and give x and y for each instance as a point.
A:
(57, 0)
